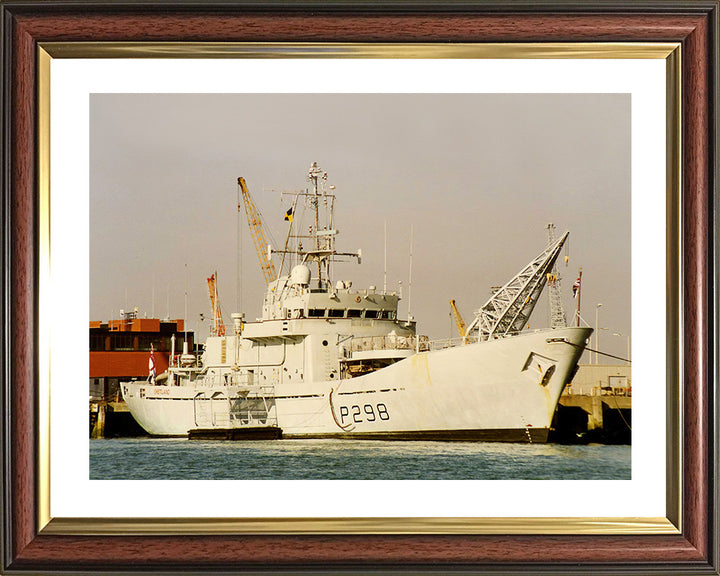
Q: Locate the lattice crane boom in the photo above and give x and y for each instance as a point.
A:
(508, 310)
(258, 233)
(218, 327)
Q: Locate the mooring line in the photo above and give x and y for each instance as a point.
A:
(588, 349)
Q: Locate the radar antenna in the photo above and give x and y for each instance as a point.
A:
(508, 310)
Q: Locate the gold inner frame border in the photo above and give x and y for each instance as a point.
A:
(671, 524)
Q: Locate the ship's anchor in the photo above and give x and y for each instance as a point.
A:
(348, 427)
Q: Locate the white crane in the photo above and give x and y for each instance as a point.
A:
(508, 310)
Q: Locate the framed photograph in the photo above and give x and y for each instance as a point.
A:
(120, 123)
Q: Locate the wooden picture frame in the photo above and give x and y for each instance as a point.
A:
(30, 545)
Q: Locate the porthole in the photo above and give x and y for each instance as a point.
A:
(325, 342)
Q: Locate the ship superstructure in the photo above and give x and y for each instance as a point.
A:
(328, 359)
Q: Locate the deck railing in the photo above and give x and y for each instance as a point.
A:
(391, 342)
(226, 379)
(368, 343)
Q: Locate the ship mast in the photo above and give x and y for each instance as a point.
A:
(322, 232)
(314, 174)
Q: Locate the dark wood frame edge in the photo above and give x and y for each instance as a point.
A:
(695, 551)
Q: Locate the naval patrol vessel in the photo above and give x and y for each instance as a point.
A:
(328, 359)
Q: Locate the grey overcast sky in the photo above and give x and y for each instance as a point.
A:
(478, 176)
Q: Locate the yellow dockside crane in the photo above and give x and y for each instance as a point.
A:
(459, 322)
(218, 327)
(258, 232)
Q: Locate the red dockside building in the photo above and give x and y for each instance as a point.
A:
(120, 350)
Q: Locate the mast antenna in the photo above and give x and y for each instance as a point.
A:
(314, 174)
(385, 265)
(410, 272)
(186, 292)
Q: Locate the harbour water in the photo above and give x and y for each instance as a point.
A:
(181, 459)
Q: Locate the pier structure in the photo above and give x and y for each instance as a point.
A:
(596, 406)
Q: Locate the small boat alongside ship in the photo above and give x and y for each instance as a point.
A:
(328, 360)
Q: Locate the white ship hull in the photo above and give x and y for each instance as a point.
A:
(505, 389)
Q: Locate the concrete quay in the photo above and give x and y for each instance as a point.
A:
(113, 420)
(604, 418)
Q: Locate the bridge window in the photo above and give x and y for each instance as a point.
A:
(336, 313)
(354, 313)
(371, 313)
(316, 313)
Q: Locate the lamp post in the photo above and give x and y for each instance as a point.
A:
(597, 330)
(628, 344)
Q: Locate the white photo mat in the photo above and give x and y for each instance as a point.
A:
(73, 80)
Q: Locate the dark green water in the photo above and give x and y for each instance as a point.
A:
(180, 459)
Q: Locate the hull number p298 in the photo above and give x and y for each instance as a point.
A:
(368, 413)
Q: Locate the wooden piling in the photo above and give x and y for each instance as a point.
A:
(99, 428)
